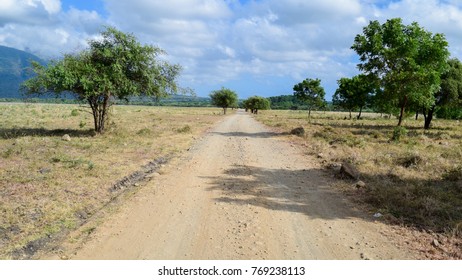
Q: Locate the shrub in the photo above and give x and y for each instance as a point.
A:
(184, 129)
(398, 133)
(299, 131)
(410, 160)
(75, 113)
(144, 131)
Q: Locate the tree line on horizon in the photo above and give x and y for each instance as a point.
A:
(404, 69)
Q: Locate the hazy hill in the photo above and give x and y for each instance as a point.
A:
(14, 66)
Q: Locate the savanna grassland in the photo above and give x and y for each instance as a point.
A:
(49, 185)
(414, 181)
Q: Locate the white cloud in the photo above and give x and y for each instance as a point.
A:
(42, 27)
(435, 16)
(88, 22)
(231, 53)
(228, 41)
(192, 32)
(28, 11)
(150, 10)
(52, 6)
(301, 11)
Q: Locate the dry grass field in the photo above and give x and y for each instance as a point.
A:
(415, 182)
(49, 185)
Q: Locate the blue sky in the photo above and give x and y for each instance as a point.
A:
(255, 47)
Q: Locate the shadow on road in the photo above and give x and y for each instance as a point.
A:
(307, 192)
(300, 191)
(250, 135)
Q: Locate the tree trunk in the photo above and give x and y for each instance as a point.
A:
(429, 117)
(99, 110)
(360, 112)
(350, 114)
(416, 115)
(309, 115)
(403, 107)
(93, 102)
(224, 110)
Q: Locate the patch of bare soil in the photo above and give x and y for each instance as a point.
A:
(240, 193)
(429, 245)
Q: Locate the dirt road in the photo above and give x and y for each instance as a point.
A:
(240, 193)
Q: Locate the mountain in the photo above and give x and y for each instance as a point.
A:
(14, 69)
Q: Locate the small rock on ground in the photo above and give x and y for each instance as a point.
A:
(66, 137)
(360, 184)
(349, 171)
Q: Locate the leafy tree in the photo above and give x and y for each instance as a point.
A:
(407, 60)
(353, 93)
(224, 98)
(380, 103)
(450, 93)
(114, 67)
(256, 103)
(310, 92)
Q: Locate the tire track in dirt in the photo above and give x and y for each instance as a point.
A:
(240, 193)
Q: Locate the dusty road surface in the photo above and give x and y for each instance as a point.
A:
(240, 193)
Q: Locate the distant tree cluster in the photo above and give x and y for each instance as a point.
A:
(286, 102)
(256, 103)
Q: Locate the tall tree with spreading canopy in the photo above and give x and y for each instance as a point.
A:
(406, 59)
(224, 98)
(311, 93)
(116, 66)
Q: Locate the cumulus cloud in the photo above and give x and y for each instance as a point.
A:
(217, 41)
(88, 22)
(301, 12)
(230, 42)
(297, 39)
(28, 11)
(42, 27)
